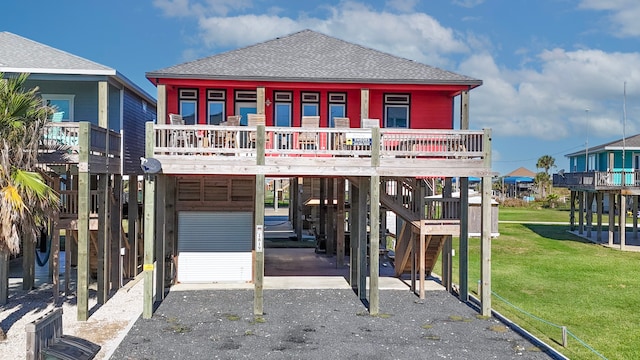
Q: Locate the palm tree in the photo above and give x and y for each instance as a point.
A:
(26, 201)
(543, 179)
(546, 162)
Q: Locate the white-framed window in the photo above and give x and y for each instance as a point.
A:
(245, 103)
(310, 104)
(396, 110)
(282, 108)
(337, 106)
(60, 102)
(188, 99)
(216, 106)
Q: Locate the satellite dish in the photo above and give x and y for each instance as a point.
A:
(150, 165)
(561, 172)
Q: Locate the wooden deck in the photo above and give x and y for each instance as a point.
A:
(627, 181)
(63, 143)
(279, 151)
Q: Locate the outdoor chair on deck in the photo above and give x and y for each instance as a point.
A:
(308, 140)
(254, 120)
(54, 135)
(178, 137)
(230, 137)
(339, 139)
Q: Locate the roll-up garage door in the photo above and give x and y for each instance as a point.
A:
(214, 246)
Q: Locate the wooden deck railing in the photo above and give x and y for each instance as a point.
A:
(321, 142)
(65, 137)
(598, 179)
(69, 204)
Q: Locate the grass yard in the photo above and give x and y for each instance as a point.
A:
(552, 274)
(533, 214)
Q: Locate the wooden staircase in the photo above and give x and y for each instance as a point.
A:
(404, 198)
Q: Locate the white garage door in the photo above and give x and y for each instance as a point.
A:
(214, 246)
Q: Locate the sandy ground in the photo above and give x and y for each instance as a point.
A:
(106, 326)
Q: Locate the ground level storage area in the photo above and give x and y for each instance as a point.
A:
(214, 246)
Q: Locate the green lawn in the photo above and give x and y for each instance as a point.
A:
(533, 214)
(552, 274)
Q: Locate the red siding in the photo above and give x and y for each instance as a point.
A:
(431, 105)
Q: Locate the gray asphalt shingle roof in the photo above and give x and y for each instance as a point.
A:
(630, 143)
(21, 54)
(311, 56)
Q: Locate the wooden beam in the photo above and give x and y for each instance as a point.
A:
(362, 237)
(485, 251)
(170, 217)
(331, 217)
(464, 110)
(354, 218)
(422, 247)
(599, 205)
(635, 216)
(103, 237)
(299, 188)
(463, 251)
(55, 259)
(622, 219)
(374, 241)
(28, 262)
(572, 212)
(258, 266)
(322, 207)
(84, 196)
(4, 277)
(132, 230)
(116, 232)
(612, 217)
(149, 227)
(447, 268)
(589, 213)
(160, 250)
(260, 99)
(103, 104)
(364, 104)
(340, 221)
(581, 212)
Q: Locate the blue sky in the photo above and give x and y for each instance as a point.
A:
(543, 62)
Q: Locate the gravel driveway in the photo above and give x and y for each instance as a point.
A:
(319, 324)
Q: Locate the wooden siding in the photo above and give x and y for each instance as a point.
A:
(134, 119)
(211, 193)
(86, 96)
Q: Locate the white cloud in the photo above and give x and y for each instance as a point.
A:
(623, 14)
(544, 97)
(404, 6)
(468, 3)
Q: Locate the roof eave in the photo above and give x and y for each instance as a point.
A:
(472, 83)
(105, 72)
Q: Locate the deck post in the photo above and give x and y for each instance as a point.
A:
(331, 217)
(28, 262)
(149, 228)
(84, 186)
(132, 230)
(103, 105)
(463, 252)
(354, 217)
(299, 188)
(635, 216)
(599, 203)
(161, 189)
(362, 237)
(589, 213)
(485, 252)
(103, 237)
(364, 104)
(258, 267)
(374, 258)
(572, 212)
(612, 217)
(116, 232)
(322, 210)
(55, 257)
(340, 216)
(622, 219)
(581, 212)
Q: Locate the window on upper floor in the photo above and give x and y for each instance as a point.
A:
(282, 108)
(310, 104)
(337, 106)
(216, 106)
(188, 101)
(62, 103)
(396, 110)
